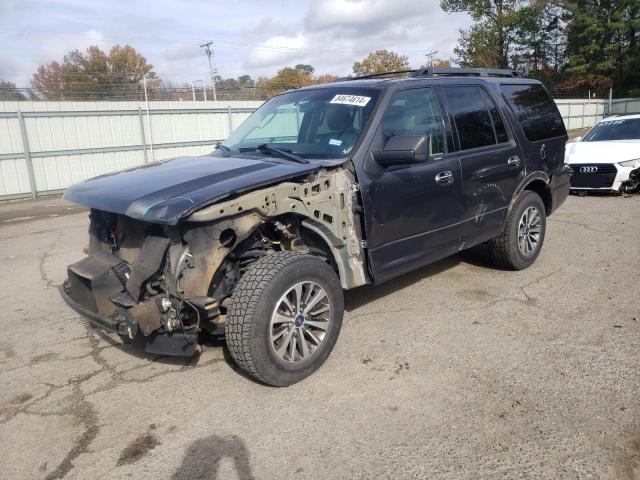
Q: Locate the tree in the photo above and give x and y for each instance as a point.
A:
(303, 68)
(381, 61)
(438, 63)
(95, 74)
(603, 44)
(286, 79)
(325, 78)
(9, 92)
(488, 42)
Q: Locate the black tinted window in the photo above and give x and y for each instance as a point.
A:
(471, 116)
(498, 125)
(535, 111)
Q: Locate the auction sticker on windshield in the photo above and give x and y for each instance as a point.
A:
(356, 100)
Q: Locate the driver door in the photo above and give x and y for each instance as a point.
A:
(412, 212)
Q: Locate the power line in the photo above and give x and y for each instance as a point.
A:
(208, 51)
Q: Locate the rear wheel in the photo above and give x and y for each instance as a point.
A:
(520, 242)
(285, 317)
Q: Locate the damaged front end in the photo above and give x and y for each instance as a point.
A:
(128, 283)
(169, 282)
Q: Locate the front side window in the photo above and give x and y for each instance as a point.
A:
(319, 123)
(415, 112)
(535, 110)
(471, 117)
(617, 129)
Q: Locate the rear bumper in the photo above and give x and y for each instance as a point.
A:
(559, 186)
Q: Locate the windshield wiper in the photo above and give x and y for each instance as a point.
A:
(264, 148)
(220, 146)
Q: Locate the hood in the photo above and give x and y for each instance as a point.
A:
(164, 192)
(613, 151)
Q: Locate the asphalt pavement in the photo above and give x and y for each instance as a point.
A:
(458, 370)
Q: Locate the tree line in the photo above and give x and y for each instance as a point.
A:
(571, 45)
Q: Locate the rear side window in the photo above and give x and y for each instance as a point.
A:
(535, 110)
(476, 117)
(471, 117)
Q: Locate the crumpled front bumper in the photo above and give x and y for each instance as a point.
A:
(127, 328)
(95, 288)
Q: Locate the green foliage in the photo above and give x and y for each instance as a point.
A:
(603, 43)
(572, 45)
(8, 92)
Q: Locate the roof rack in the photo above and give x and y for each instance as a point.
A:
(441, 72)
(373, 75)
(464, 71)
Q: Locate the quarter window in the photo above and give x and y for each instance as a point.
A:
(472, 118)
(415, 112)
(535, 111)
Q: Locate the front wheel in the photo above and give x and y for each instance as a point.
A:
(285, 317)
(520, 242)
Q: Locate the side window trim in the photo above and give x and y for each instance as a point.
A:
(488, 97)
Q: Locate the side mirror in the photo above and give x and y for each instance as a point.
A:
(403, 150)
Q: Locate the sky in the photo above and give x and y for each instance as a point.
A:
(250, 36)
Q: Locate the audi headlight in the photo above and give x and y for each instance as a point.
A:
(631, 163)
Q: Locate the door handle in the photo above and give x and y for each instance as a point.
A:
(514, 161)
(444, 178)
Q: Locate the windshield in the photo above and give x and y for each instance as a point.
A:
(621, 129)
(319, 123)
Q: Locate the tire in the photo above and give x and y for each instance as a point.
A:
(505, 250)
(265, 294)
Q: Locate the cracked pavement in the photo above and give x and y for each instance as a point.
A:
(455, 371)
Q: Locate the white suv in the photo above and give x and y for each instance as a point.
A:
(608, 157)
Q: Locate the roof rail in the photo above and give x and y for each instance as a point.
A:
(441, 72)
(464, 71)
(373, 75)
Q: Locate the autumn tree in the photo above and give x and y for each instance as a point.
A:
(381, 61)
(95, 74)
(286, 79)
(438, 63)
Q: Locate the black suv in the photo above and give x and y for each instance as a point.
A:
(322, 189)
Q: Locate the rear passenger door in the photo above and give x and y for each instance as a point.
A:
(490, 159)
(541, 123)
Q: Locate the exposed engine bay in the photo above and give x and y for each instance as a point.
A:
(169, 282)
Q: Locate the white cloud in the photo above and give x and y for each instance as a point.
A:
(277, 51)
(256, 38)
(181, 51)
(360, 13)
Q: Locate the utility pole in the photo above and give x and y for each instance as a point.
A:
(430, 57)
(208, 51)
